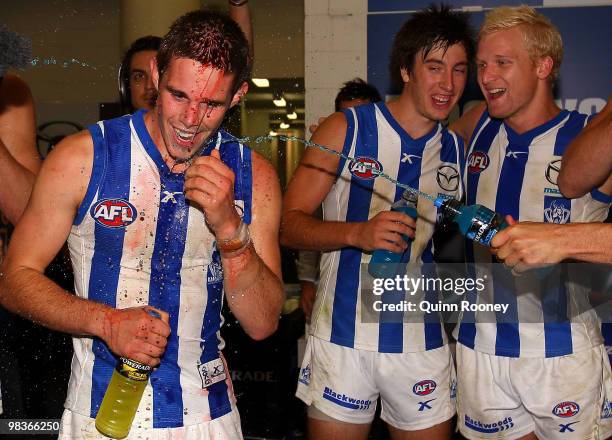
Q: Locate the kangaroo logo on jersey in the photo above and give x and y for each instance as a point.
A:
(566, 409)
(557, 210)
(215, 272)
(365, 168)
(305, 375)
(114, 213)
(552, 171)
(424, 387)
(477, 162)
(606, 409)
(448, 178)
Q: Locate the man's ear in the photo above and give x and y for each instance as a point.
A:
(545, 67)
(242, 90)
(405, 75)
(154, 73)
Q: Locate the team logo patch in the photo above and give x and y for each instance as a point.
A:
(552, 171)
(448, 178)
(305, 375)
(557, 210)
(477, 162)
(365, 168)
(424, 387)
(566, 409)
(114, 213)
(215, 273)
(606, 409)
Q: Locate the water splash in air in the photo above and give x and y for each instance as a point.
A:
(269, 137)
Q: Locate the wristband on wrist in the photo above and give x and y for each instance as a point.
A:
(238, 242)
(238, 2)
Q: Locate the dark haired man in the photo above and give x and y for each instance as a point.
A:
(352, 93)
(350, 363)
(136, 88)
(162, 211)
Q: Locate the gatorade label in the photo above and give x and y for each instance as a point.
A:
(482, 229)
(212, 372)
(133, 370)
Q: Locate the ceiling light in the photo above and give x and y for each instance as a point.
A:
(292, 115)
(284, 126)
(280, 102)
(261, 82)
(272, 133)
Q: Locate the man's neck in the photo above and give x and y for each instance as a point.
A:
(538, 111)
(405, 113)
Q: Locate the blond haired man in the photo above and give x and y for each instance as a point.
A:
(520, 377)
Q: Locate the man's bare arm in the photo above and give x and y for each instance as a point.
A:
(242, 15)
(42, 231)
(252, 278)
(19, 158)
(311, 182)
(527, 245)
(587, 162)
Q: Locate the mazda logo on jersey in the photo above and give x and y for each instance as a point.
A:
(365, 168)
(239, 205)
(477, 162)
(552, 171)
(114, 213)
(448, 178)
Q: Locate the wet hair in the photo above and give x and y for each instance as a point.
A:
(541, 37)
(357, 89)
(142, 44)
(436, 27)
(210, 38)
(15, 50)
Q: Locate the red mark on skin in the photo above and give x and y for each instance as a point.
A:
(208, 92)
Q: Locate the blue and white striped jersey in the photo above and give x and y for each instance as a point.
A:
(136, 241)
(432, 164)
(516, 174)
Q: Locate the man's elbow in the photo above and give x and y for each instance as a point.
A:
(570, 188)
(263, 330)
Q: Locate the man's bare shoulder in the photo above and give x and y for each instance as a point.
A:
(71, 162)
(264, 172)
(465, 125)
(14, 92)
(332, 128)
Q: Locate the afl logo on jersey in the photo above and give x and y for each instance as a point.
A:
(566, 409)
(114, 213)
(424, 387)
(477, 162)
(365, 168)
